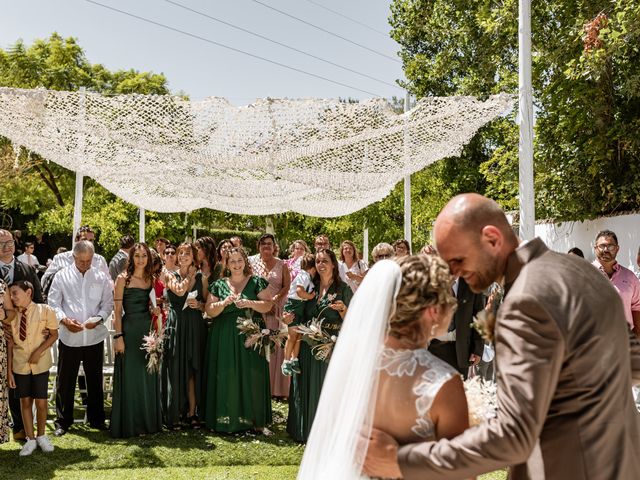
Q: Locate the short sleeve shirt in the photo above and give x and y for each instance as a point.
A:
(303, 279)
(39, 317)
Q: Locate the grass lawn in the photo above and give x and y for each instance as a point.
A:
(84, 453)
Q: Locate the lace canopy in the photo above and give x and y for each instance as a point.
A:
(317, 157)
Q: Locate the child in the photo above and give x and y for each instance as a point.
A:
(31, 361)
(300, 291)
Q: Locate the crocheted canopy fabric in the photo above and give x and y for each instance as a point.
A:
(322, 158)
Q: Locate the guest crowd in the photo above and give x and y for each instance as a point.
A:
(174, 315)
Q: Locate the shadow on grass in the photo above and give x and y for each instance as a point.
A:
(41, 465)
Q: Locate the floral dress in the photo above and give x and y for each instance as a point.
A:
(4, 392)
(279, 383)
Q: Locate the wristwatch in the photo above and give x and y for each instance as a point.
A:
(118, 335)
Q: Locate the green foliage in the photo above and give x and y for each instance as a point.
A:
(587, 135)
(44, 191)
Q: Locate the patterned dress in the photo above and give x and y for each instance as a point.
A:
(272, 319)
(4, 392)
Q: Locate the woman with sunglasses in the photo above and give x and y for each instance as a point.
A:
(170, 262)
(382, 251)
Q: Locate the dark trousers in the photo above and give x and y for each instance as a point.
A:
(447, 351)
(16, 413)
(69, 358)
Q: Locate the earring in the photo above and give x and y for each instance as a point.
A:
(433, 330)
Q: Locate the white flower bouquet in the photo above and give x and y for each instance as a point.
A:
(263, 340)
(153, 344)
(481, 399)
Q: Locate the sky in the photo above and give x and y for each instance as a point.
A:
(203, 69)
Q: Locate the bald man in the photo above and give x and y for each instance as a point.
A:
(564, 366)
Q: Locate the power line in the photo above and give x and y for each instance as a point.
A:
(237, 50)
(326, 31)
(348, 18)
(177, 4)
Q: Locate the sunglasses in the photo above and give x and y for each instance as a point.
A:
(382, 257)
(170, 252)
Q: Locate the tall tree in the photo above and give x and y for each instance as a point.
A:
(43, 190)
(586, 99)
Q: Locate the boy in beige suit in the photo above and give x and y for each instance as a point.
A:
(564, 359)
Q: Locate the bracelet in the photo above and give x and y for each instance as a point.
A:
(118, 335)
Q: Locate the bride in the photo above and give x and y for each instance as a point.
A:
(381, 374)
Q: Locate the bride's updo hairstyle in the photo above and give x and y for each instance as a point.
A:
(426, 281)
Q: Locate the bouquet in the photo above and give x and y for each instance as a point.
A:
(321, 342)
(263, 340)
(481, 398)
(153, 344)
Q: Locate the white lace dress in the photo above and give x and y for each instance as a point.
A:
(409, 382)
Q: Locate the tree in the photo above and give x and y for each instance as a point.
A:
(44, 191)
(587, 160)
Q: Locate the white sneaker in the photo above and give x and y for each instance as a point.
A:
(28, 448)
(44, 443)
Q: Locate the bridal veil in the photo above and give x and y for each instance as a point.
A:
(347, 403)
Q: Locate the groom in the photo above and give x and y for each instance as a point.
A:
(564, 356)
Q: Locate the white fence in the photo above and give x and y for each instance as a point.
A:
(563, 236)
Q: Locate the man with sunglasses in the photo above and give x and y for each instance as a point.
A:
(626, 283)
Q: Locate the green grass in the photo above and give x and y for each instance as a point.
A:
(84, 453)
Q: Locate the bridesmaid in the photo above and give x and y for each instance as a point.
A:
(136, 392)
(266, 265)
(207, 255)
(220, 270)
(237, 381)
(331, 305)
(186, 334)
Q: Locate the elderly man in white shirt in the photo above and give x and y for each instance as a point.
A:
(65, 259)
(82, 297)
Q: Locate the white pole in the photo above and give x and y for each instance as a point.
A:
(407, 181)
(78, 199)
(77, 205)
(195, 232)
(365, 245)
(525, 113)
(141, 225)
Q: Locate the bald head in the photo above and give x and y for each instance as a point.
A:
(470, 212)
(473, 235)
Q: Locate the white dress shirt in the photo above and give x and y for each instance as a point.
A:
(65, 259)
(81, 297)
(29, 259)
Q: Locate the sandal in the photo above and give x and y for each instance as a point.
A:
(194, 421)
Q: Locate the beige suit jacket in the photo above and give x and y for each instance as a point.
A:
(564, 375)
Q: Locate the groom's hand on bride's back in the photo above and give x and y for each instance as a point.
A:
(381, 460)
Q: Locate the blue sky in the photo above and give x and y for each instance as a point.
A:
(202, 69)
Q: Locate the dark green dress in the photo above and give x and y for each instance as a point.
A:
(305, 387)
(185, 341)
(237, 381)
(136, 393)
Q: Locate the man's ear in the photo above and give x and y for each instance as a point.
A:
(492, 236)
